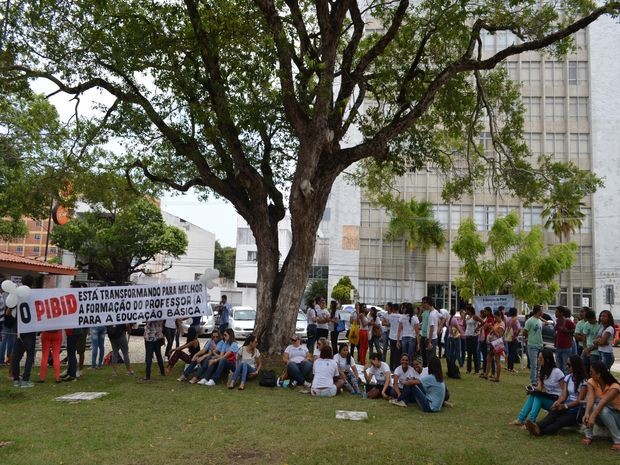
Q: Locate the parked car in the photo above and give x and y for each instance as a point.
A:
(207, 321)
(243, 320)
(345, 313)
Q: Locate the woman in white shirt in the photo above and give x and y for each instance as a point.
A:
(550, 386)
(327, 380)
(347, 368)
(408, 336)
(378, 378)
(249, 363)
(403, 375)
(605, 338)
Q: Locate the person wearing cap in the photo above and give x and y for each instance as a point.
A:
(298, 362)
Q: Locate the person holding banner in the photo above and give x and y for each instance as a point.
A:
(50, 340)
(117, 334)
(153, 339)
(24, 344)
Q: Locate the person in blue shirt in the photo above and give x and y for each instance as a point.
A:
(225, 359)
(429, 392)
(225, 311)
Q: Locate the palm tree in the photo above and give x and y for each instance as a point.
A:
(562, 211)
(415, 222)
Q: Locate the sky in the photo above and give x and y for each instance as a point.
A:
(215, 215)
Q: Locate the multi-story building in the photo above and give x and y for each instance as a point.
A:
(572, 113)
(34, 244)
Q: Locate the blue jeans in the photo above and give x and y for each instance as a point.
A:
(532, 407)
(6, 346)
(407, 346)
(97, 333)
(384, 345)
(610, 419)
(219, 367)
(25, 343)
(607, 358)
(532, 356)
(419, 396)
(561, 357)
(453, 350)
(299, 371)
(242, 371)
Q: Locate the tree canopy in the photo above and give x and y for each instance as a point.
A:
(225, 260)
(510, 262)
(121, 234)
(259, 101)
(342, 290)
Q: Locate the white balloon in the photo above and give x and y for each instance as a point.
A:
(8, 286)
(23, 292)
(208, 276)
(11, 300)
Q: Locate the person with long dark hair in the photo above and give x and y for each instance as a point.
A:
(153, 340)
(327, 380)
(564, 411)
(495, 346)
(548, 390)
(365, 328)
(408, 336)
(602, 404)
(334, 319)
(224, 361)
(429, 392)
(513, 328)
(472, 323)
(376, 331)
(249, 363)
(605, 338)
(347, 368)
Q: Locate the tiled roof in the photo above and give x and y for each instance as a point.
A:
(9, 260)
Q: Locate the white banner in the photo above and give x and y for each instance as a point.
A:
(48, 309)
(493, 301)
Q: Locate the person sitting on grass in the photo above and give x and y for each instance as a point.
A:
(298, 362)
(327, 381)
(564, 411)
(429, 392)
(249, 363)
(378, 378)
(602, 404)
(348, 370)
(192, 345)
(548, 390)
(403, 377)
(320, 343)
(224, 361)
(200, 360)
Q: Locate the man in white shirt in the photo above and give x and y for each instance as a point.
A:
(298, 362)
(433, 327)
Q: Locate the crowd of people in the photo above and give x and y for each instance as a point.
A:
(398, 357)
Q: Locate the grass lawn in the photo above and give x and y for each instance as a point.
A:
(167, 422)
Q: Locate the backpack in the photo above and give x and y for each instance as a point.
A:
(268, 379)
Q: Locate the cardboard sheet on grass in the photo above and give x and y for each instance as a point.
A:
(80, 396)
(350, 415)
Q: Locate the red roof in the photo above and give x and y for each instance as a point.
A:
(17, 262)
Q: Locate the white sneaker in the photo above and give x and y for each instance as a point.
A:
(210, 383)
(202, 381)
(307, 384)
(78, 373)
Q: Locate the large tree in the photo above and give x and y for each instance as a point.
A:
(254, 100)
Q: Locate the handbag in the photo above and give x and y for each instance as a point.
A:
(498, 345)
(340, 326)
(509, 335)
(354, 334)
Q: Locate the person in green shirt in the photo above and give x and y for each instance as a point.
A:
(532, 331)
(590, 332)
(579, 336)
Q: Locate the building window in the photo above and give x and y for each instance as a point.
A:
(577, 73)
(441, 215)
(562, 298)
(532, 108)
(484, 217)
(532, 216)
(439, 293)
(578, 108)
(554, 73)
(19, 249)
(530, 72)
(609, 294)
(37, 237)
(586, 225)
(512, 67)
(579, 149)
(35, 249)
(582, 297)
(555, 144)
(534, 142)
(319, 272)
(252, 256)
(39, 224)
(555, 109)
(245, 236)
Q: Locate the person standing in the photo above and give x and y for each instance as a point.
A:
(532, 333)
(365, 325)
(225, 311)
(393, 322)
(153, 340)
(117, 334)
(513, 328)
(472, 322)
(97, 334)
(7, 336)
(311, 329)
(50, 340)
(564, 330)
(590, 332)
(376, 331)
(322, 319)
(433, 327)
(24, 344)
(605, 338)
(408, 332)
(334, 320)
(170, 330)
